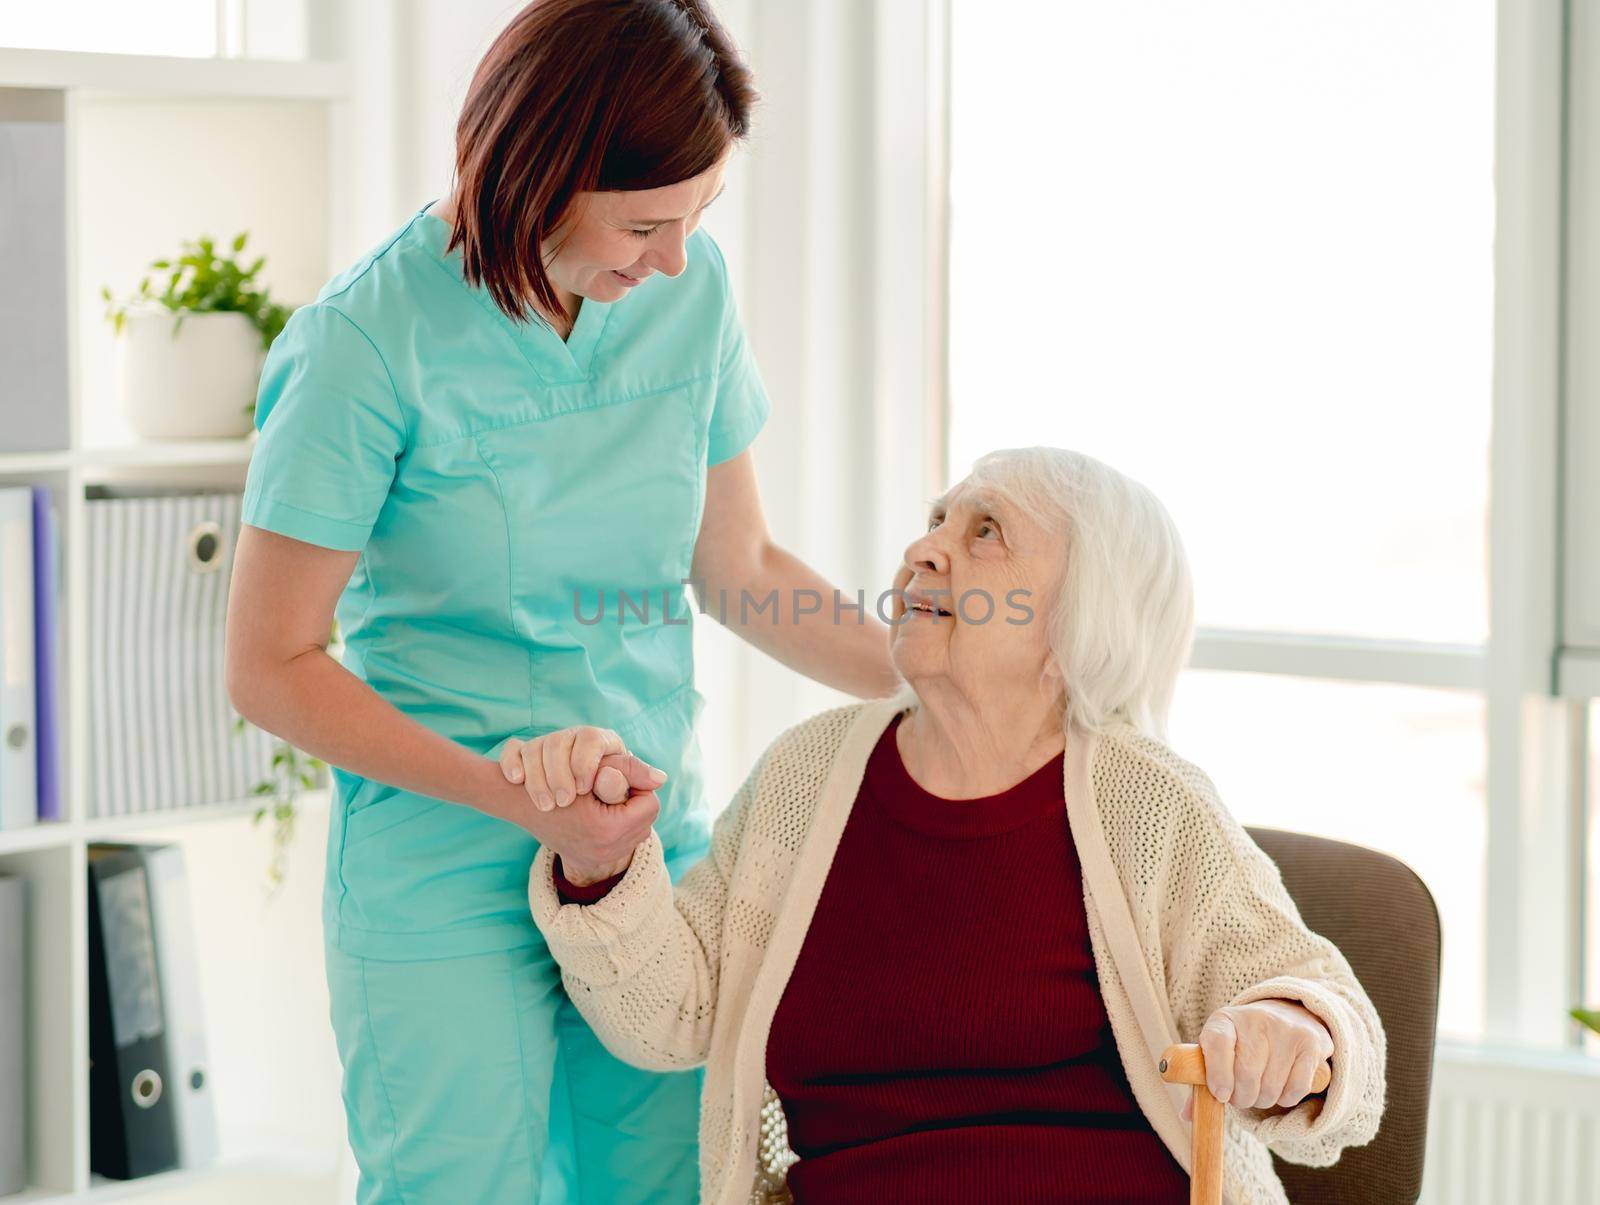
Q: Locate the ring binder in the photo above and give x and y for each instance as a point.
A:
(159, 718)
(132, 1123)
(177, 964)
(147, 1089)
(206, 547)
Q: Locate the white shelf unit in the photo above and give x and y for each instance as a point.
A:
(169, 76)
(160, 150)
(206, 452)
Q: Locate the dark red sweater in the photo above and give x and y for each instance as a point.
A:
(942, 1038)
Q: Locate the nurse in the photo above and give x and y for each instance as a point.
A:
(494, 449)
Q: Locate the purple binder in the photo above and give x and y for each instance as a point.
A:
(46, 665)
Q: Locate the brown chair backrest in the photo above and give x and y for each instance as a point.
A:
(1384, 921)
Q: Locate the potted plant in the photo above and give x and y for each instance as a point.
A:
(189, 356)
(1588, 1017)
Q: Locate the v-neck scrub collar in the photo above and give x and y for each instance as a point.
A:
(558, 361)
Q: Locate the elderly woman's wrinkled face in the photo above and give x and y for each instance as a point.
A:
(978, 588)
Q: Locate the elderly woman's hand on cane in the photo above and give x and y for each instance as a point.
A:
(1263, 1055)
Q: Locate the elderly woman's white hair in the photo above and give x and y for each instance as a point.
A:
(1123, 624)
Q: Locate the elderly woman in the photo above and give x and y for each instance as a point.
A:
(941, 940)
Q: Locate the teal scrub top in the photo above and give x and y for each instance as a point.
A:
(526, 510)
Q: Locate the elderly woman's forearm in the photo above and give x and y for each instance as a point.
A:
(642, 963)
(789, 611)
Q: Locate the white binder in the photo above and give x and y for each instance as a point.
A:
(33, 270)
(160, 722)
(178, 969)
(19, 800)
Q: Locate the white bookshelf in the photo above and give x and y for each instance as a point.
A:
(160, 150)
(215, 452)
(167, 76)
(52, 858)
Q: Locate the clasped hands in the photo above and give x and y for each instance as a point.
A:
(596, 800)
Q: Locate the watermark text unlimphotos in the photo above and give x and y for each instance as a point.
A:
(622, 606)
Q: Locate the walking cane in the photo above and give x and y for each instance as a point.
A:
(1186, 1064)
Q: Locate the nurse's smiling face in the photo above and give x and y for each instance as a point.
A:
(612, 241)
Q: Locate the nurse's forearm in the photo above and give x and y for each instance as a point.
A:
(787, 610)
(317, 705)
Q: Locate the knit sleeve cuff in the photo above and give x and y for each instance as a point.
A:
(606, 942)
(1317, 1117)
(588, 893)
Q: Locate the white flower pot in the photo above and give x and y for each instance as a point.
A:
(197, 385)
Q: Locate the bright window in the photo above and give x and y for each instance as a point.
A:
(184, 28)
(1242, 252)
(258, 29)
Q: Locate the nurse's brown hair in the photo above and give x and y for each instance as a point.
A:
(585, 96)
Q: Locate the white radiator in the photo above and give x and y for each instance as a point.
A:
(1513, 1128)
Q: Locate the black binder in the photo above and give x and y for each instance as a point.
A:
(132, 1120)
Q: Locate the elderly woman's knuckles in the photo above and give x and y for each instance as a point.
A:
(623, 825)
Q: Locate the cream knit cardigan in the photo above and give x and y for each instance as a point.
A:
(1186, 915)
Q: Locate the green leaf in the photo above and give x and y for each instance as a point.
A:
(200, 281)
(1587, 1016)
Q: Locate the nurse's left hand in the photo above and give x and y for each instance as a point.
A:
(558, 767)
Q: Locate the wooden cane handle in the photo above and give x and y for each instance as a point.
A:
(1186, 1064)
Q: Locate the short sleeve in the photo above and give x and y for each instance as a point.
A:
(741, 406)
(331, 432)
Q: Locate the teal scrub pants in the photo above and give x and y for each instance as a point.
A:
(474, 1081)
